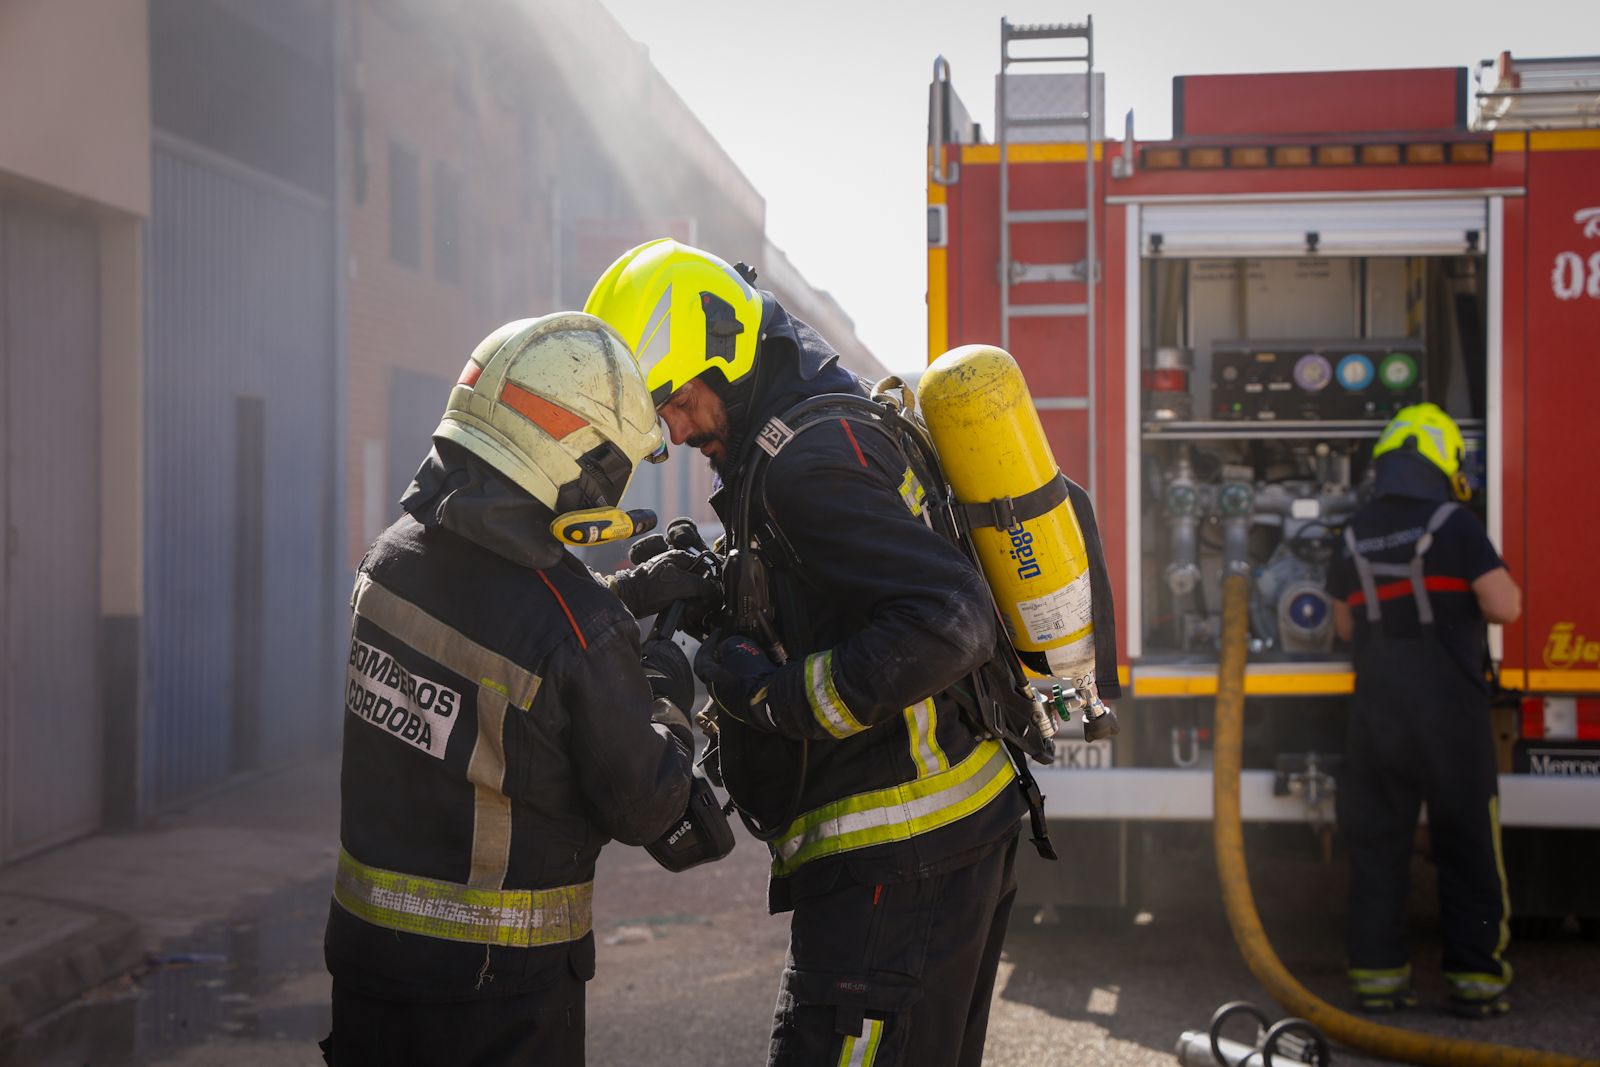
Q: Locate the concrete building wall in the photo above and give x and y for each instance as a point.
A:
(81, 68)
(75, 138)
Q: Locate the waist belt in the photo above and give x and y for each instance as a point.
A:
(897, 813)
(514, 918)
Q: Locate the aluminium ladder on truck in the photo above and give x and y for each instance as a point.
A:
(1085, 271)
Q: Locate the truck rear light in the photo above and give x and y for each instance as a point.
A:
(1469, 152)
(1291, 156)
(1336, 155)
(1205, 158)
(1588, 718)
(1380, 153)
(1251, 156)
(1531, 721)
(1561, 718)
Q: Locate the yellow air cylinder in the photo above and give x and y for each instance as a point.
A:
(992, 447)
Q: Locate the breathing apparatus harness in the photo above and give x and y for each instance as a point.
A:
(996, 700)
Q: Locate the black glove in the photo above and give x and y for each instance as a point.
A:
(661, 581)
(737, 673)
(676, 722)
(666, 668)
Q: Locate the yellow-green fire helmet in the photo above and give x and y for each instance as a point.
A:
(683, 311)
(557, 405)
(1434, 435)
(1438, 438)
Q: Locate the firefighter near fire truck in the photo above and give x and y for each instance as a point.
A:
(499, 704)
(860, 659)
(1413, 590)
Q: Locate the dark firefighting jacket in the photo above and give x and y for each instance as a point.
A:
(883, 620)
(497, 733)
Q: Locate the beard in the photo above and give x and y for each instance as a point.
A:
(719, 435)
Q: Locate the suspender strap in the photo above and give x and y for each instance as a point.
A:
(1411, 570)
(1363, 572)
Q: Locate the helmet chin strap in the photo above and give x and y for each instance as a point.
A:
(1459, 486)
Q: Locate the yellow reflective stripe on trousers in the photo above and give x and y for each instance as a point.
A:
(897, 813)
(1505, 888)
(926, 755)
(1379, 981)
(515, 918)
(829, 710)
(862, 1051)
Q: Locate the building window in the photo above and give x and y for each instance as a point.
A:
(446, 224)
(405, 206)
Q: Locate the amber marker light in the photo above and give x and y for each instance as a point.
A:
(1380, 153)
(1205, 158)
(1163, 158)
(1248, 157)
(1469, 152)
(1336, 155)
(1424, 153)
(1291, 156)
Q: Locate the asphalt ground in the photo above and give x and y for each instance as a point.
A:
(232, 897)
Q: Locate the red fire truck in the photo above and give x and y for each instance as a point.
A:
(1216, 326)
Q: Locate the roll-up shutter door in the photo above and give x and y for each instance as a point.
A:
(1443, 226)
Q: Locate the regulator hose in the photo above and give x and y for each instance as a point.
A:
(1388, 1042)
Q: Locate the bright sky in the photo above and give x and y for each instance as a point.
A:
(823, 103)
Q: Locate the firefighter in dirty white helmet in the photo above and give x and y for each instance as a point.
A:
(892, 826)
(1416, 582)
(499, 727)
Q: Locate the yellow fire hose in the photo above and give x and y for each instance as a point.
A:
(1386, 1041)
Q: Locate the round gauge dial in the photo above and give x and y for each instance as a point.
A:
(1355, 372)
(1398, 371)
(1313, 373)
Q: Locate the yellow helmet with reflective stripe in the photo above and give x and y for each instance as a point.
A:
(683, 311)
(557, 405)
(1438, 438)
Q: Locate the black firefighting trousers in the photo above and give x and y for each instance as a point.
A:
(545, 1027)
(1420, 733)
(895, 974)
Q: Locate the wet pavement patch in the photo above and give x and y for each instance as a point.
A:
(257, 976)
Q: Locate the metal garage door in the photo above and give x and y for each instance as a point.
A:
(1445, 226)
(238, 467)
(50, 493)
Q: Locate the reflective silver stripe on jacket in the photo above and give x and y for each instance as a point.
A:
(501, 683)
(514, 918)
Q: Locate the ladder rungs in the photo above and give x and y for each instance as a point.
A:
(1080, 119)
(1067, 215)
(1046, 311)
(1033, 31)
(1023, 273)
(1061, 403)
(1046, 59)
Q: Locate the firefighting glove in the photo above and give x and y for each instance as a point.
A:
(666, 668)
(737, 674)
(663, 580)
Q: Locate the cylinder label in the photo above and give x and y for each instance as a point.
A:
(1058, 615)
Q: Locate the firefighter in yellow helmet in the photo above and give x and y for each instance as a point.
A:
(501, 721)
(839, 711)
(1417, 581)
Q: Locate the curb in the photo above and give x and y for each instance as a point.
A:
(85, 948)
